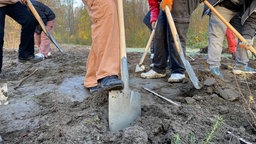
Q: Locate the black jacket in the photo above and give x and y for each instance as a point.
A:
(44, 11)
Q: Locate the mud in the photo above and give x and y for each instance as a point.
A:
(52, 106)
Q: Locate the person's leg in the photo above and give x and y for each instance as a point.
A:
(242, 58)
(24, 17)
(2, 23)
(160, 49)
(216, 31)
(160, 44)
(104, 57)
(176, 65)
(45, 41)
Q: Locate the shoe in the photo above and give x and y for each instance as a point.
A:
(94, 89)
(176, 77)
(32, 59)
(111, 83)
(40, 55)
(215, 71)
(152, 74)
(240, 69)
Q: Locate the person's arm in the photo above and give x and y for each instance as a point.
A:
(154, 10)
(4, 2)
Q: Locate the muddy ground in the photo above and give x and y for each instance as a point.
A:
(51, 106)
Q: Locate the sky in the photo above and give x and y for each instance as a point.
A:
(78, 3)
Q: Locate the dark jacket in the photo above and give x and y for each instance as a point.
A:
(44, 11)
(181, 9)
(229, 4)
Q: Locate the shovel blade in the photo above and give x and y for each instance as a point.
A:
(123, 109)
(3, 92)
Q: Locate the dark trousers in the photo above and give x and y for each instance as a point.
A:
(21, 14)
(165, 48)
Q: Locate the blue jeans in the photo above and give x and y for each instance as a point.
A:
(21, 14)
(165, 48)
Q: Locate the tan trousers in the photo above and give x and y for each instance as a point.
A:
(104, 57)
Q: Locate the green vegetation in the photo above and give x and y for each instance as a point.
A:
(77, 21)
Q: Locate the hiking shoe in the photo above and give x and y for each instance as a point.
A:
(240, 69)
(176, 77)
(215, 71)
(152, 74)
(94, 89)
(111, 83)
(32, 59)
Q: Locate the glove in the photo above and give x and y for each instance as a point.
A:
(23, 1)
(167, 2)
(153, 25)
(245, 45)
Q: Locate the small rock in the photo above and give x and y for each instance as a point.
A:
(229, 94)
(223, 110)
(198, 98)
(190, 100)
(209, 82)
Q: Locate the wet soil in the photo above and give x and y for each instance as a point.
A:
(52, 106)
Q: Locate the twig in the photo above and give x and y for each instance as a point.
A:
(162, 97)
(241, 139)
(20, 83)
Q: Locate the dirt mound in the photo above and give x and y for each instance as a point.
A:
(52, 106)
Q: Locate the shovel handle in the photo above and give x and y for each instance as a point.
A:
(173, 29)
(124, 63)
(41, 23)
(121, 28)
(147, 47)
(228, 25)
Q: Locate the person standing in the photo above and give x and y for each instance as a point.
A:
(20, 13)
(217, 30)
(165, 53)
(103, 63)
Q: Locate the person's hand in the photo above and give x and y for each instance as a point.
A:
(23, 1)
(153, 25)
(167, 2)
(246, 44)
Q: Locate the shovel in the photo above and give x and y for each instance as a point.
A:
(139, 67)
(40, 21)
(124, 106)
(176, 39)
(229, 26)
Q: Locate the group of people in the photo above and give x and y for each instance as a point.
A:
(241, 15)
(30, 29)
(103, 64)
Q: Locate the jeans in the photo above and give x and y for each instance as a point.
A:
(21, 14)
(165, 48)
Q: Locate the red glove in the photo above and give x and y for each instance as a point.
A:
(167, 2)
(23, 1)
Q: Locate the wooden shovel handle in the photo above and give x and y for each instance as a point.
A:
(228, 25)
(173, 29)
(121, 28)
(147, 46)
(35, 13)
